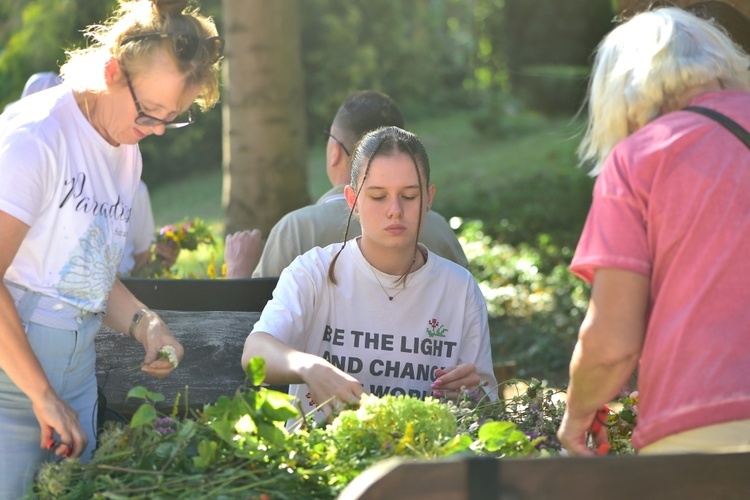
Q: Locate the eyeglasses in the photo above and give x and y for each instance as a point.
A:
(186, 46)
(327, 132)
(182, 120)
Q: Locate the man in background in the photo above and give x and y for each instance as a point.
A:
(324, 222)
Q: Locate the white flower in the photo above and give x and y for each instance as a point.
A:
(169, 353)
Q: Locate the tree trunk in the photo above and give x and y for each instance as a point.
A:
(264, 143)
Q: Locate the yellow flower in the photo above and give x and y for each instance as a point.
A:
(407, 440)
(212, 268)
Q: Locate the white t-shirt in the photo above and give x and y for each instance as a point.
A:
(390, 346)
(142, 227)
(74, 191)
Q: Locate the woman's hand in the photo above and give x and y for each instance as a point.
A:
(574, 434)
(55, 416)
(154, 336)
(451, 379)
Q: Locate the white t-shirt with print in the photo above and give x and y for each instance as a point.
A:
(141, 232)
(73, 189)
(390, 346)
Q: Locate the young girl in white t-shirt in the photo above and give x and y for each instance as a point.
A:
(380, 313)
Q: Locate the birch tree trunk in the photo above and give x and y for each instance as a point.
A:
(263, 113)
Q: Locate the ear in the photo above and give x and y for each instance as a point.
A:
(112, 71)
(430, 195)
(350, 195)
(338, 155)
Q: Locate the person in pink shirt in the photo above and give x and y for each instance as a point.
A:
(667, 239)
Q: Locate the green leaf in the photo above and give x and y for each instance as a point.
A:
(256, 370)
(272, 433)
(496, 435)
(143, 415)
(277, 406)
(458, 444)
(206, 454)
(141, 392)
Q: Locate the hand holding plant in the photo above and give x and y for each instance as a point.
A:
(170, 240)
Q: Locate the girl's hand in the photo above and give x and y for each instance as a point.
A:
(451, 379)
(331, 388)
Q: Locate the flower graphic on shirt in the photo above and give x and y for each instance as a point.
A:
(88, 276)
(436, 329)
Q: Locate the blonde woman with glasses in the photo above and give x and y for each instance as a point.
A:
(69, 169)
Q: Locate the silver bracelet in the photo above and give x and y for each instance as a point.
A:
(136, 319)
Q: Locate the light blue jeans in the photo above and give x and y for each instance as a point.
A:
(68, 358)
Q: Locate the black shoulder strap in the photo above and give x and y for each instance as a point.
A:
(727, 122)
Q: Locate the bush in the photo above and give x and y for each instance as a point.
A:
(535, 304)
(554, 90)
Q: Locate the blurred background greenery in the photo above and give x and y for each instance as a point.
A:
(493, 87)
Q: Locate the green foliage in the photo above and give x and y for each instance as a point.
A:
(38, 33)
(534, 409)
(549, 47)
(417, 52)
(540, 32)
(430, 56)
(536, 305)
(240, 447)
(555, 90)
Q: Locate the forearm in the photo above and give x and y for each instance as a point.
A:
(284, 365)
(595, 381)
(121, 307)
(17, 359)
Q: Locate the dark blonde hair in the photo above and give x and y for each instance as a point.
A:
(84, 67)
(386, 142)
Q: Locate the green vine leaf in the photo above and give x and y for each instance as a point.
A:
(141, 392)
(256, 370)
(145, 414)
(207, 451)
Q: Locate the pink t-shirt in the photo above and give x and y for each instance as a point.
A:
(673, 203)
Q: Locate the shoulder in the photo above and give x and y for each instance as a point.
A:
(302, 217)
(316, 258)
(682, 136)
(436, 218)
(447, 269)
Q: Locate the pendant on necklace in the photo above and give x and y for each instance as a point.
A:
(390, 298)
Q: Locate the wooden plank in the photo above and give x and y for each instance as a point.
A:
(213, 342)
(561, 478)
(203, 294)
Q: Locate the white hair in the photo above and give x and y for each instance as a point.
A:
(646, 64)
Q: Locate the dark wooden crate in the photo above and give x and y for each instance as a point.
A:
(666, 477)
(248, 295)
(213, 342)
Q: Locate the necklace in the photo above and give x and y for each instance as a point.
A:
(86, 105)
(390, 297)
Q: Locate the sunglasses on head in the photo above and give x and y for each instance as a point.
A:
(186, 46)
